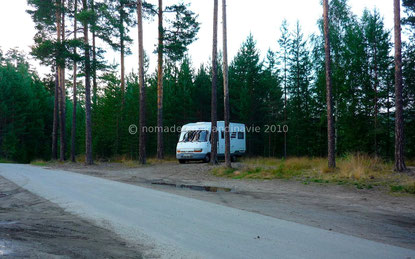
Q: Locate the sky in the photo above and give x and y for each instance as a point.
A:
(261, 18)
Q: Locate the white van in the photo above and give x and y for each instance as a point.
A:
(194, 142)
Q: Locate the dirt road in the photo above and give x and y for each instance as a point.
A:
(33, 227)
(369, 214)
(180, 226)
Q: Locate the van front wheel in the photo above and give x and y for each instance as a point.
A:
(207, 158)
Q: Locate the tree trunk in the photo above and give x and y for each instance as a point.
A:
(88, 128)
(94, 69)
(63, 96)
(214, 134)
(55, 119)
(399, 122)
(160, 151)
(226, 88)
(122, 45)
(122, 52)
(285, 101)
(388, 129)
(376, 99)
(142, 140)
(94, 64)
(329, 99)
(75, 67)
(61, 80)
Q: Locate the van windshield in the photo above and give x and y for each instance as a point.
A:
(195, 136)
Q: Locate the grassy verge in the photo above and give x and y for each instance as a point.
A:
(361, 171)
(39, 162)
(5, 161)
(132, 163)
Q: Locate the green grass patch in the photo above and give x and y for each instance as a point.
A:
(5, 161)
(406, 188)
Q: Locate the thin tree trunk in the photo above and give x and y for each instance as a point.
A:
(75, 67)
(122, 45)
(160, 148)
(399, 122)
(55, 118)
(285, 102)
(376, 99)
(61, 87)
(94, 69)
(63, 96)
(388, 130)
(214, 149)
(226, 88)
(142, 140)
(94, 63)
(122, 51)
(329, 99)
(88, 123)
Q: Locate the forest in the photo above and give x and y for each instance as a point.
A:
(85, 106)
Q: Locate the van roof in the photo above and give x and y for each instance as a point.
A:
(204, 125)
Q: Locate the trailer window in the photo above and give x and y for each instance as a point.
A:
(240, 135)
(233, 135)
(222, 134)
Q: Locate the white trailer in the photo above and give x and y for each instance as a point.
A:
(195, 141)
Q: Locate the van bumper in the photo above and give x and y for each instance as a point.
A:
(190, 156)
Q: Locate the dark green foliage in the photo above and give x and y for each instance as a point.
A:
(251, 85)
(25, 113)
(363, 87)
(409, 9)
(180, 31)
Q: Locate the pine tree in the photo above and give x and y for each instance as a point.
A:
(51, 48)
(142, 142)
(399, 122)
(377, 41)
(173, 41)
(160, 147)
(330, 119)
(87, 72)
(74, 88)
(284, 44)
(214, 135)
(298, 81)
(225, 88)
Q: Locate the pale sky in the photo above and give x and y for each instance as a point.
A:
(262, 18)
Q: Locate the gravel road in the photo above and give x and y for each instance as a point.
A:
(178, 226)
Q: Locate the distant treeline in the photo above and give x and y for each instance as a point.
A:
(285, 88)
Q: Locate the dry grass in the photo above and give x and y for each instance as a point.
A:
(125, 160)
(410, 162)
(133, 163)
(80, 158)
(156, 161)
(360, 170)
(39, 162)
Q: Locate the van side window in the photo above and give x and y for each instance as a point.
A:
(240, 135)
(233, 135)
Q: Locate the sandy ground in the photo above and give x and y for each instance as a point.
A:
(32, 227)
(370, 214)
